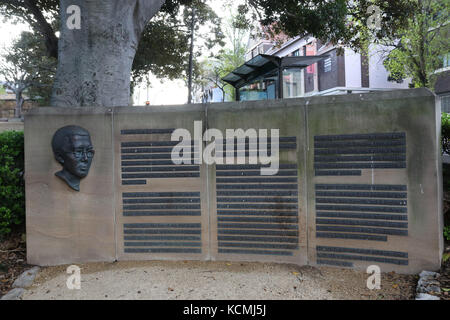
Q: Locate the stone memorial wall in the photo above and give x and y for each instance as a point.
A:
(359, 183)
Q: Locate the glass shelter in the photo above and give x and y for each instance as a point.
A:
(267, 77)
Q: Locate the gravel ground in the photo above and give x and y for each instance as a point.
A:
(12, 261)
(188, 280)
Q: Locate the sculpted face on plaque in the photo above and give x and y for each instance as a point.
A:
(72, 148)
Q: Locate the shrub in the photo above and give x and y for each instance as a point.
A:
(445, 120)
(447, 233)
(12, 186)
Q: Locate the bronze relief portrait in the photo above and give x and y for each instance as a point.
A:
(73, 149)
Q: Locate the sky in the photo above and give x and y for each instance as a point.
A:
(9, 32)
(160, 93)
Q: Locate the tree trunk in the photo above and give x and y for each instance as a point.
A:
(19, 104)
(223, 93)
(191, 58)
(51, 41)
(94, 62)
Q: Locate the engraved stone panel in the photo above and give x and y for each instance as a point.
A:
(359, 183)
(161, 207)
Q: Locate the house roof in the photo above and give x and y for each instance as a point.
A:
(264, 63)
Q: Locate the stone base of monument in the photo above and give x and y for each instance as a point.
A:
(359, 183)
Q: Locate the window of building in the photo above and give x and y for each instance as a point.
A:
(292, 83)
(310, 50)
(261, 49)
(296, 53)
(445, 103)
(446, 60)
(327, 65)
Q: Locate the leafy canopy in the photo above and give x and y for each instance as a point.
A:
(423, 44)
(27, 67)
(336, 21)
(163, 49)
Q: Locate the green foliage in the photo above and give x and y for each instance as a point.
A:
(40, 15)
(12, 186)
(323, 19)
(447, 233)
(445, 257)
(195, 17)
(23, 12)
(164, 45)
(229, 58)
(445, 133)
(203, 16)
(339, 21)
(162, 50)
(28, 57)
(423, 43)
(227, 61)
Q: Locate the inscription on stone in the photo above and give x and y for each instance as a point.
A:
(348, 154)
(157, 221)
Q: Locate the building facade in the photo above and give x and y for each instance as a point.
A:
(442, 85)
(343, 71)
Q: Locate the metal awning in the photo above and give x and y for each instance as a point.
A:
(264, 63)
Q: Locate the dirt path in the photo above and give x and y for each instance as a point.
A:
(215, 280)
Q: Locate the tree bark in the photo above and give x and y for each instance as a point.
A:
(51, 41)
(19, 104)
(94, 62)
(191, 57)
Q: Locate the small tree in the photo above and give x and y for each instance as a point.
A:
(339, 21)
(198, 14)
(423, 43)
(213, 75)
(228, 59)
(24, 68)
(173, 41)
(217, 68)
(17, 81)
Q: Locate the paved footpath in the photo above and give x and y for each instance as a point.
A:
(213, 280)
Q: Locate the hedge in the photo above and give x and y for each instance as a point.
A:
(12, 185)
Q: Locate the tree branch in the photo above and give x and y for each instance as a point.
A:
(144, 10)
(51, 41)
